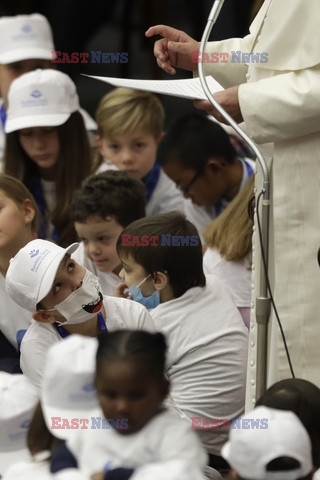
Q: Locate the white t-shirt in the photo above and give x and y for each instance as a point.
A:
(166, 197)
(107, 280)
(207, 356)
(120, 314)
(165, 448)
(235, 275)
(13, 318)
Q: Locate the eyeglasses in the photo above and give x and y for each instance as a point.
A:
(186, 188)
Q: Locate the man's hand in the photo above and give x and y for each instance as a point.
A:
(228, 99)
(174, 49)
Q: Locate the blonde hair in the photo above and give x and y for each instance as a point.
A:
(231, 232)
(123, 111)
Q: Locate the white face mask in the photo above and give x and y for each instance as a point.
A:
(82, 304)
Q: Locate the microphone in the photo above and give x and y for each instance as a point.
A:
(263, 302)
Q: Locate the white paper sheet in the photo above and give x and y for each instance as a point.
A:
(189, 88)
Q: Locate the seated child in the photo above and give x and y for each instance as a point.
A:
(229, 252)
(47, 147)
(63, 298)
(269, 444)
(143, 439)
(197, 154)
(100, 210)
(18, 399)
(207, 340)
(130, 125)
(19, 219)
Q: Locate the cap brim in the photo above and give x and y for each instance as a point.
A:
(26, 54)
(30, 121)
(51, 272)
(8, 459)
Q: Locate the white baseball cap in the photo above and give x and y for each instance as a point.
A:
(24, 37)
(41, 98)
(18, 399)
(32, 271)
(263, 435)
(67, 389)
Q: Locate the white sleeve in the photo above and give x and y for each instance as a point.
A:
(123, 313)
(228, 73)
(33, 354)
(171, 470)
(181, 456)
(282, 107)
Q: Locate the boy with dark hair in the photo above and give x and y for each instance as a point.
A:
(207, 340)
(197, 154)
(101, 209)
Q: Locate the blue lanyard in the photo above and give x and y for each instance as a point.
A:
(151, 180)
(101, 323)
(3, 116)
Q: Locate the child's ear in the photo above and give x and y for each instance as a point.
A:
(43, 317)
(28, 210)
(160, 280)
(215, 164)
(100, 145)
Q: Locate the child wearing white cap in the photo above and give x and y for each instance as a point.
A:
(130, 434)
(26, 43)
(18, 399)
(47, 147)
(64, 298)
(269, 444)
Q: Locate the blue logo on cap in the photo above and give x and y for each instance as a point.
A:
(34, 253)
(88, 388)
(26, 29)
(36, 94)
(25, 424)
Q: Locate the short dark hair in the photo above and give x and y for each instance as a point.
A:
(133, 344)
(183, 264)
(110, 193)
(192, 139)
(303, 398)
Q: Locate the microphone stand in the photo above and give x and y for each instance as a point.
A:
(262, 300)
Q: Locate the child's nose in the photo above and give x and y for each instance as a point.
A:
(126, 156)
(121, 274)
(123, 407)
(93, 248)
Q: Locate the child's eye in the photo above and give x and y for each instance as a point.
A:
(71, 266)
(104, 239)
(49, 130)
(139, 145)
(25, 133)
(113, 146)
(109, 395)
(136, 395)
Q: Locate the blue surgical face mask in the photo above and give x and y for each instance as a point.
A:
(149, 302)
